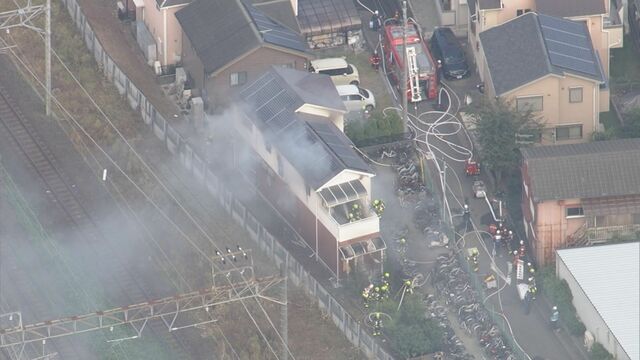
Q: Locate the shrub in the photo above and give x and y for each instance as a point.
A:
(558, 292)
(378, 126)
(598, 352)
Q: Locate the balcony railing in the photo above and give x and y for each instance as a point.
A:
(586, 236)
(345, 228)
(359, 228)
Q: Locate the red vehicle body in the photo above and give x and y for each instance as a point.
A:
(426, 67)
(472, 168)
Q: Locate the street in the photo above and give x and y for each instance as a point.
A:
(445, 145)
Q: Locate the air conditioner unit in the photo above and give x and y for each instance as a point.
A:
(157, 67)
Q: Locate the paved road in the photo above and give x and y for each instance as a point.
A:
(531, 332)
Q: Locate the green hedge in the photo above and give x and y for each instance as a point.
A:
(366, 131)
(558, 292)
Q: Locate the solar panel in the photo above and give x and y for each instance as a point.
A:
(573, 64)
(568, 45)
(339, 144)
(275, 33)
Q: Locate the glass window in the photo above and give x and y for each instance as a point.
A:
(238, 78)
(363, 93)
(569, 132)
(575, 211)
(529, 103)
(575, 95)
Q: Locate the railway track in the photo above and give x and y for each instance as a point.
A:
(27, 141)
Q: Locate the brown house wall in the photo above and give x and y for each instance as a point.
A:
(191, 63)
(255, 64)
(297, 213)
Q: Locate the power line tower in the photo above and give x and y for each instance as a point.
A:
(24, 17)
(28, 341)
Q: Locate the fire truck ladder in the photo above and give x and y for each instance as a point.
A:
(414, 74)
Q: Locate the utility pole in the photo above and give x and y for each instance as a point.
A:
(284, 314)
(405, 66)
(47, 59)
(23, 17)
(444, 189)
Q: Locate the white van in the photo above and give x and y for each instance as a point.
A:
(356, 98)
(341, 72)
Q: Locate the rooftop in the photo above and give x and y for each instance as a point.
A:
(313, 145)
(609, 275)
(327, 16)
(583, 171)
(532, 46)
(223, 31)
(570, 8)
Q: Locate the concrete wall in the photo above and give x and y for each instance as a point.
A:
(254, 64)
(166, 31)
(588, 313)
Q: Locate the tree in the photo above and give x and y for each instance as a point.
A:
(410, 332)
(631, 127)
(501, 131)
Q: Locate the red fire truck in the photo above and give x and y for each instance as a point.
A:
(423, 78)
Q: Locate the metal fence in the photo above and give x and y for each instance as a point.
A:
(206, 175)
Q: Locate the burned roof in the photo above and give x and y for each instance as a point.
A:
(313, 145)
(532, 46)
(582, 171)
(221, 31)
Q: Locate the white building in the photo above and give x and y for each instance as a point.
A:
(605, 283)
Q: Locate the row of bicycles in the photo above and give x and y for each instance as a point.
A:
(454, 284)
(452, 346)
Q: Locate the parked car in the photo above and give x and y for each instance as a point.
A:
(341, 72)
(447, 49)
(356, 98)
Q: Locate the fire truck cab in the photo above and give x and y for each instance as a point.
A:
(422, 70)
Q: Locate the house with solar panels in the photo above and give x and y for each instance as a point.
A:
(227, 44)
(546, 65)
(308, 169)
(603, 18)
(580, 194)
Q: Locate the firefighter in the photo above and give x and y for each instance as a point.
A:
(374, 60)
(408, 284)
(375, 22)
(378, 207)
(386, 277)
(377, 324)
(473, 260)
(522, 249)
(516, 257)
(384, 290)
(532, 270)
(366, 295)
(555, 317)
(533, 290)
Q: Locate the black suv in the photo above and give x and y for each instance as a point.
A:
(446, 48)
